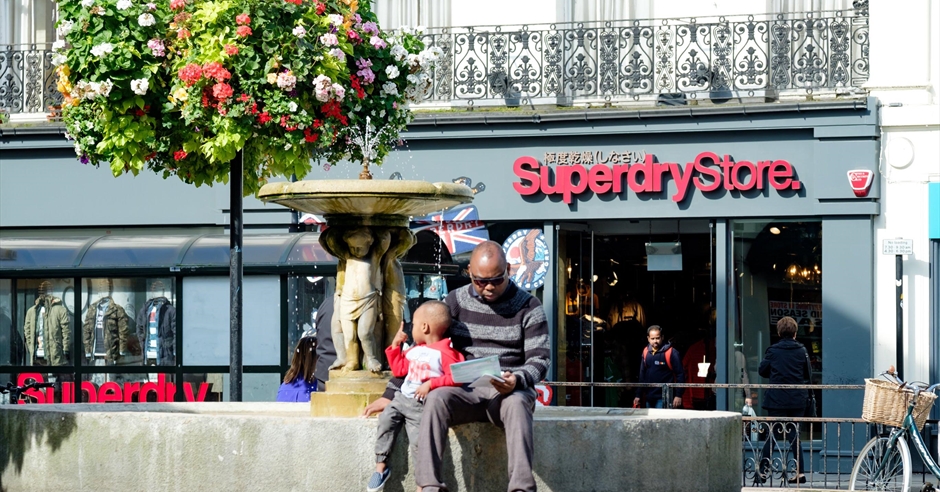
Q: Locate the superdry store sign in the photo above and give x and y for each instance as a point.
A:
(644, 174)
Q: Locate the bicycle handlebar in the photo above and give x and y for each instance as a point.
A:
(17, 390)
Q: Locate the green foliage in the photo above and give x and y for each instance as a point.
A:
(179, 87)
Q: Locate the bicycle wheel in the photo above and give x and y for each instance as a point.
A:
(881, 468)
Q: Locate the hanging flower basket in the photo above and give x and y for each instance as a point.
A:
(179, 87)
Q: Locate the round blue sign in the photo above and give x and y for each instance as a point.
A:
(528, 258)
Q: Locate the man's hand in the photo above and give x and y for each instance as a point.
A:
(375, 407)
(636, 402)
(422, 392)
(400, 337)
(677, 402)
(508, 384)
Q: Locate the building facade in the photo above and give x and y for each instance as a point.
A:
(704, 194)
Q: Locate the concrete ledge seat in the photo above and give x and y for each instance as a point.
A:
(280, 447)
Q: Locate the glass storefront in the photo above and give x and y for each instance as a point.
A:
(777, 273)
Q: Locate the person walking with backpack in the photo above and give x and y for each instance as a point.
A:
(660, 363)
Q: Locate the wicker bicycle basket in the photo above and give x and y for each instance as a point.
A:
(886, 404)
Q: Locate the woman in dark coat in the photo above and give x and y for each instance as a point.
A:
(785, 362)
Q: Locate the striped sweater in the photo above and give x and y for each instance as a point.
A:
(514, 328)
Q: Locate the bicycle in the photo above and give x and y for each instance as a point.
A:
(884, 463)
(16, 392)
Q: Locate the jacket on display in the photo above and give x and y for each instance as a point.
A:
(655, 369)
(56, 327)
(785, 362)
(166, 331)
(115, 329)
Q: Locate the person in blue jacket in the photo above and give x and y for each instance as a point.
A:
(300, 379)
(660, 363)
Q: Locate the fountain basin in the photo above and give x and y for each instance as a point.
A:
(280, 447)
(368, 201)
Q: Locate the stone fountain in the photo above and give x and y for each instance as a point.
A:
(368, 233)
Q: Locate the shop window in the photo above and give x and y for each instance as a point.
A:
(43, 322)
(255, 387)
(128, 321)
(305, 297)
(12, 346)
(206, 315)
(61, 384)
(777, 273)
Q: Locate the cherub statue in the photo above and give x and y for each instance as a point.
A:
(393, 292)
(359, 287)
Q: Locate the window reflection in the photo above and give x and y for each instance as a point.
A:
(44, 318)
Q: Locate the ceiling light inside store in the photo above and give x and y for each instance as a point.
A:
(775, 230)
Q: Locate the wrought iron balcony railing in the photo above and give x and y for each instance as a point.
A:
(609, 62)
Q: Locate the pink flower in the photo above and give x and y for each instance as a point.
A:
(190, 74)
(377, 42)
(177, 4)
(231, 49)
(157, 47)
(183, 34)
(222, 91)
(216, 71)
(179, 155)
(243, 31)
(370, 28)
(242, 19)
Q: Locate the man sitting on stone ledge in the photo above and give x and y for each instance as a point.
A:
(492, 316)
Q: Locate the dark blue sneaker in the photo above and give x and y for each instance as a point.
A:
(377, 482)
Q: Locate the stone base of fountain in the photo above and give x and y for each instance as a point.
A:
(278, 446)
(348, 393)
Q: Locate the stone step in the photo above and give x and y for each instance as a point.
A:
(357, 382)
(341, 404)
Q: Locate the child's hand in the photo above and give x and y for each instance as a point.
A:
(422, 392)
(400, 337)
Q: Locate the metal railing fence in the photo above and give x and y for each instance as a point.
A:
(665, 60)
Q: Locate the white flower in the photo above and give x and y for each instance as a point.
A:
(89, 125)
(382, 114)
(105, 88)
(78, 149)
(58, 45)
(336, 19)
(286, 80)
(299, 31)
(322, 86)
(146, 20)
(58, 59)
(338, 54)
(412, 79)
(413, 59)
(124, 4)
(392, 71)
(140, 86)
(329, 39)
(303, 112)
(64, 27)
(92, 89)
(399, 52)
(87, 3)
(292, 106)
(287, 146)
(390, 88)
(339, 91)
(101, 49)
(420, 29)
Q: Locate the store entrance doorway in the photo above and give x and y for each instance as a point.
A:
(617, 278)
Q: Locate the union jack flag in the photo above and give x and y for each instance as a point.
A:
(460, 228)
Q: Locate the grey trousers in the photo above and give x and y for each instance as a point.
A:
(449, 406)
(401, 410)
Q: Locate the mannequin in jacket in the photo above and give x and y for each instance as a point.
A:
(104, 332)
(156, 327)
(48, 329)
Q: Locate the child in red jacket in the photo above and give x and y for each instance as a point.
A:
(425, 366)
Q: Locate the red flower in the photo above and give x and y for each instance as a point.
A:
(354, 82)
(150, 156)
(222, 91)
(139, 112)
(353, 36)
(309, 136)
(177, 4)
(298, 2)
(222, 111)
(254, 108)
(216, 71)
(190, 74)
(320, 8)
(317, 123)
(264, 118)
(183, 34)
(244, 98)
(243, 31)
(179, 155)
(205, 98)
(231, 49)
(242, 19)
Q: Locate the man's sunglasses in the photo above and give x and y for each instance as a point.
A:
(494, 281)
